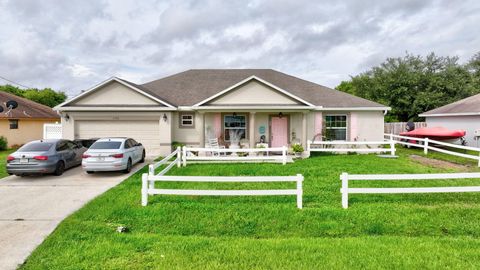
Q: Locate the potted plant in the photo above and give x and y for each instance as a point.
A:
(297, 150)
(260, 146)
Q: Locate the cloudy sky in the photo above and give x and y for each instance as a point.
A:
(73, 45)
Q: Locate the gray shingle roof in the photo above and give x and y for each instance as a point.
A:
(193, 86)
(467, 105)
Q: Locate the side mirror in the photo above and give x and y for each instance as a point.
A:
(139, 144)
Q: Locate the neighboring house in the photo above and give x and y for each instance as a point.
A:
(463, 114)
(193, 106)
(25, 123)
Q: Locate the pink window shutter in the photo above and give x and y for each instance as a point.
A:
(217, 125)
(318, 123)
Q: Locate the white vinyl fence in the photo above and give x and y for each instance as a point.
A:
(148, 182)
(346, 190)
(351, 146)
(234, 155)
(429, 144)
(52, 131)
(177, 153)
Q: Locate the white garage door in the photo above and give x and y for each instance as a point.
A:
(145, 132)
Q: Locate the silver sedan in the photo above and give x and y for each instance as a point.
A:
(45, 156)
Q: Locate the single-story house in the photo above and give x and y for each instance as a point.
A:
(24, 123)
(196, 105)
(463, 114)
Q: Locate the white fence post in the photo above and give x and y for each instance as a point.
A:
(425, 146)
(184, 156)
(344, 178)
(299, 191)
(284, 155)
(179, 156)
(151, 169)
(308, 146)
(392, 147)
(144, 189)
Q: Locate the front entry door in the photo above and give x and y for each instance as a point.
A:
(279, 131)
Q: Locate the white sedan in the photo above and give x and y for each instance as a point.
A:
(113, 154)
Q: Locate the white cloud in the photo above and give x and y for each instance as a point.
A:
(80, 71)
(72, 45)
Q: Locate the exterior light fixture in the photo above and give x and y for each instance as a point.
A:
(280, 115)
(67, 117)
(165, 118)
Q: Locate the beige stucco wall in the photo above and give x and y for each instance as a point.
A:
(115, 93)
(261, 119)
(161, 146)
(28, 130)
(370, 125)
(189, 136)
(253, 93)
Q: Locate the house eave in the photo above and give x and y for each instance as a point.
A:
(245, 107)
(450, 114)
(320, 108)
(113, 109)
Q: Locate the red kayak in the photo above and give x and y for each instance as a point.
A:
(435, 133)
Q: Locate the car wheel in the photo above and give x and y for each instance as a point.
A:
(59, 169)
(143, 157)
(129, 166)
(90, 172)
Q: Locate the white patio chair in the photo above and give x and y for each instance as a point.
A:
(213, 143)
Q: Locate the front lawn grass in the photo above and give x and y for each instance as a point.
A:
(3, 162)
(187, 232)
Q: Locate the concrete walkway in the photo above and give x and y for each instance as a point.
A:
(31, 207)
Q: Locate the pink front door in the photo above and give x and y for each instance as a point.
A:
(279, 131)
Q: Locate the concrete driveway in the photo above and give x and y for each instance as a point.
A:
(31, 207)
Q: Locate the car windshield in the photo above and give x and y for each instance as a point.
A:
(35, 147)
(106, 145)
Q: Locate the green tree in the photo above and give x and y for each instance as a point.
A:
(474, 68)
(413, 84)
(45, 96)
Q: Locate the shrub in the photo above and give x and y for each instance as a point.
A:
(3, 143)
(177, 144)
(297, 148)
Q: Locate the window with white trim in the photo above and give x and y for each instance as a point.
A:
(187, 120)
(335, 127)
(234, 123)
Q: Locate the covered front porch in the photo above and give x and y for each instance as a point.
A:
(252, 129)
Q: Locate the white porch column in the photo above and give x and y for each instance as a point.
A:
(251, 130)
(304, 129)
(201, 126)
